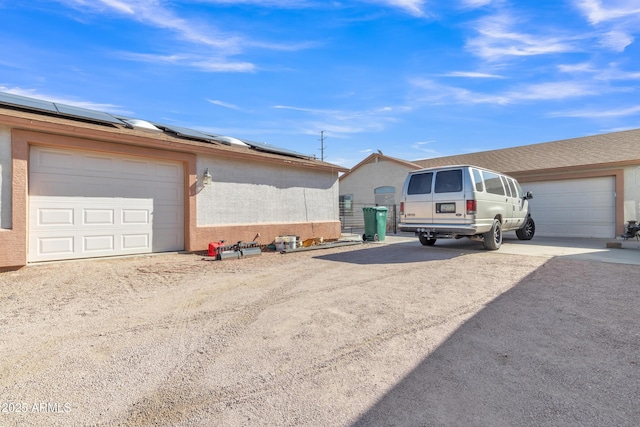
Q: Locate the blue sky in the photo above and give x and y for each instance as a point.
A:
(415, 79)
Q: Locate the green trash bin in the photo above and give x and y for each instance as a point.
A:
(375, 223)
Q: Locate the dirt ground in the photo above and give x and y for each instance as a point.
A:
(367, 335)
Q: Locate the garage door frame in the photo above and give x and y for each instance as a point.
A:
(23, 139)
(617, 174)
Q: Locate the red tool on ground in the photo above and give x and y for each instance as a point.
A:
(219, 250)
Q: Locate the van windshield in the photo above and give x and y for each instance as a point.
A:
(420, 183)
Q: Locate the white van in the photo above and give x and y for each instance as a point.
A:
(464, 201)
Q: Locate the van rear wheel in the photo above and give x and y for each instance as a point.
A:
(426, 241)
(493, 237)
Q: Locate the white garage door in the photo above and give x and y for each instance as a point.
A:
(86, 204)
(574, 208)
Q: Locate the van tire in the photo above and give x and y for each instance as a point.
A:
(493, 237)
(527, 231)
(426, 241)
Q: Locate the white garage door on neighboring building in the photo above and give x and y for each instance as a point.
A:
(86, 204)
(574, 208)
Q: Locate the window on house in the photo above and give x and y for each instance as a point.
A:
(346, 205)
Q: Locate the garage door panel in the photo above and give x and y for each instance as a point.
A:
(94, 210)
(98, 216)
(56, 246)
(166, 240)
(53, 161)
(51, 217)
(136, 241)
(574, 208)
(136, 217)
(167, 170)
(100, 243)
(167, 218)
(99, 164)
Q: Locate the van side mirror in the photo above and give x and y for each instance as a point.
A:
(528, 195)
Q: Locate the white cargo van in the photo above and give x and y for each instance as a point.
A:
(464, 201)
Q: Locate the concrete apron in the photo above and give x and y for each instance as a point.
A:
(570, 247)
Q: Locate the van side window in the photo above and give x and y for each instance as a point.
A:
(506, 186)
(514, 191)
(449, 181)
(420, 183)
(493, 183)
(478, 180)
(520, 192)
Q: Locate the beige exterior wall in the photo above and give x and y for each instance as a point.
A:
(249, 192)
(248, 200)
(632, 193)
(378, 173)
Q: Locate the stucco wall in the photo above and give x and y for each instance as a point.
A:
(632, 193)
(252, 193)
(370, 176)
(5, 177)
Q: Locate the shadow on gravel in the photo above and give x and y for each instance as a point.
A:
(557, 349)
(400, 253)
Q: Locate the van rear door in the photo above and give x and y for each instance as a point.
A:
(448, 197)
(418, 200)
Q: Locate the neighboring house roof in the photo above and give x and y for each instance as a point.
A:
(29, 113)
(375, 157)
(576, 153)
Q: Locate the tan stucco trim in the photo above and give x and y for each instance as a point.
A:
(21, 142)
(13, 247)
(618, 175)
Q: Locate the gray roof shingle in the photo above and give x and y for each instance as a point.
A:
(604, 149)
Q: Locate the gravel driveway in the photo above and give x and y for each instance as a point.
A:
(368, 335)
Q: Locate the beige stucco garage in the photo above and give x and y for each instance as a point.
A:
(78, 183)
(583, 187)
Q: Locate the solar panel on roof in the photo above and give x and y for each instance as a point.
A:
(26, 102)
(263, 146)
(186, 132)
(85, 113)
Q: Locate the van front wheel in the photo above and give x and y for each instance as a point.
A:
(426, 241)
(527, 232)
(493, 237)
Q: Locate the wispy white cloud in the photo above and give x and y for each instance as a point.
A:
(498, 38)
(616, 40)
(432, 92)
(33, 93)
(191, 60)
(475, 3)
(596, 12)
(599, 113)
(218, 45)
(413, 7)
(611, 72)
(224, 104)
(437, 94)
(341, 123)
(473, 75)
(583, 67)
(618, 19)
